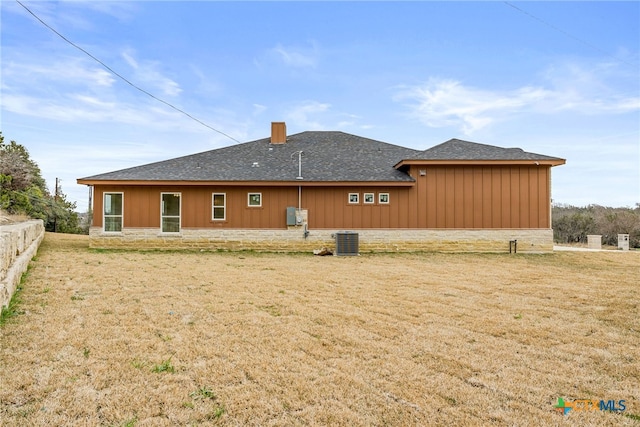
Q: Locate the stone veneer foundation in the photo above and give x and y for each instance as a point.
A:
(293, 240)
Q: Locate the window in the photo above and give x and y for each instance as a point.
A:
(383, 198)
(354, 198)
(219, 206)
(113, 212)
(369, 198)
(255, 199)
(170, 212)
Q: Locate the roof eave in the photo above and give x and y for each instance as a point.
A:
(458, 162)
(302, 182)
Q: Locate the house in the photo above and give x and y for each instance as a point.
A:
(309, 190)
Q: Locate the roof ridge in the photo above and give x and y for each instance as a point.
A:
(460, 149)
(329, 156)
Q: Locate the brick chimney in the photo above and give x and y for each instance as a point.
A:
(278, 132)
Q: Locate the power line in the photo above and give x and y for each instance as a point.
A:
(568, 34)
(122, 77)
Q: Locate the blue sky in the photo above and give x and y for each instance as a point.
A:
(555, 78)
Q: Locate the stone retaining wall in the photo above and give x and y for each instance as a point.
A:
(292, 240)
(18, 244)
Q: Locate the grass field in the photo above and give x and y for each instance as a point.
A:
(107, 338)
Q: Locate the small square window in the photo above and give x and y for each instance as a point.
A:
(255, 199)
(369, 198)
(354, 198)
(383, 198)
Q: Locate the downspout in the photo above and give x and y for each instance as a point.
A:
(550, 202)
(90, 212)
(305, 232)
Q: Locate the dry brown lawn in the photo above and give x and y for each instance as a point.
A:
(108, 338)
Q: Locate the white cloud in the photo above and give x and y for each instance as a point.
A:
(258, 109)
(305, 115)
(441, 103)
(449, 103)
(296, 57)
(76, 107)
(129, 59)
(71, 89)
(599, 89)
(66, 15)
(206, 85)
(121, 10)
(94, 102)
(72, 71)
(147, 76)
(345, 124)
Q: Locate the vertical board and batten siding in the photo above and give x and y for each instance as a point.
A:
(142, 206)
(456, 197)
(327, 207)
(330, 208)
(483, 197)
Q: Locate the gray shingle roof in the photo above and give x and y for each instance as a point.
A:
(457, 149)
(327, 156)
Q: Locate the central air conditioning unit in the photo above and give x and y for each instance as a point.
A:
(346, 243)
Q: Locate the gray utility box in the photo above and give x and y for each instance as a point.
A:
(346, 243)
(291, 216)
(296, 216)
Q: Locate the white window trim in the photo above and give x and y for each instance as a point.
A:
(224, 206)
(249, 200)
(357, 202)
(171, 216)
(380, 198)
(104, 215)
(373, 198)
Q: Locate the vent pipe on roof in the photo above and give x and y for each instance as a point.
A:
(299, 153)
(278, 132)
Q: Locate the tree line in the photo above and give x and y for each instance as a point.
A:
(23, 191)
(572, 224)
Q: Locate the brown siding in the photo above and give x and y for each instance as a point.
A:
(142, 206)
(469, 199)
(483, 197)
(477, 198)
(329, 208)
(525, 198)
(446, 197)
(515, 205)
